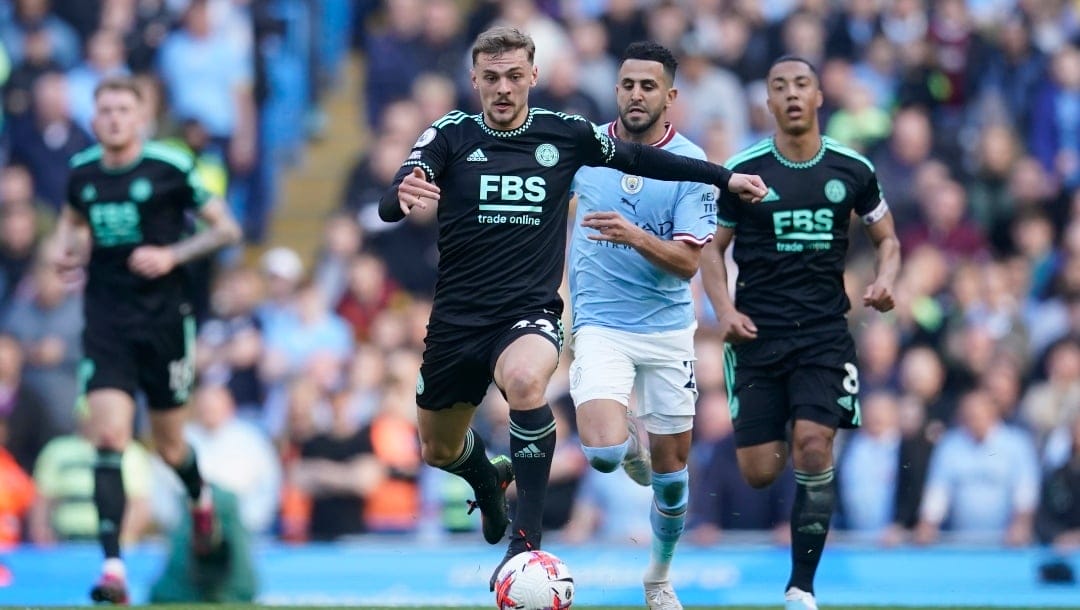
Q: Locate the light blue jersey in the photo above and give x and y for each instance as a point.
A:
(614, 286)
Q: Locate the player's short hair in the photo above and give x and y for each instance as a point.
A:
(118, 83)
(503, 39)
(783, 59)
(648, 50)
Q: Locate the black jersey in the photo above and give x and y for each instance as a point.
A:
(503, 206)
(142, 204)
(791, 247)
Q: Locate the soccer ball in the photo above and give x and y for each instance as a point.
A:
(534, 580)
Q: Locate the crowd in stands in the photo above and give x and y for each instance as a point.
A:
(970, 390)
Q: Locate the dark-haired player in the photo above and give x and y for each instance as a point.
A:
(125, 221)
(790, 358)
(630, 267)
(502, 180)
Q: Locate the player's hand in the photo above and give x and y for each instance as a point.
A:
(879, 295)
(612, 227)
(736, 327)
(748, 187)
(152, 261)
(416, 191)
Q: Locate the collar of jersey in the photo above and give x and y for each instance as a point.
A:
(669, 134)
(479, 118)
(796, 164)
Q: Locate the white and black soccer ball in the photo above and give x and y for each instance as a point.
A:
(534, 580)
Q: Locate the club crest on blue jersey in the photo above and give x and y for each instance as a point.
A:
(547, 155)
(632, 185)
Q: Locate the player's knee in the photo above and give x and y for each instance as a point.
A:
(437, 454)
(759, 479)
(605, 459)
(671, 490)
(812, 452)
(524, 385)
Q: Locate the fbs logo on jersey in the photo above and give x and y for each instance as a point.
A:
(772, 195)
(476, 156)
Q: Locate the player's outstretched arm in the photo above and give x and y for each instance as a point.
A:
(410, 189)
(674, 256)
(652, 162)
(221, 230)
(879, 294)
(735, 327)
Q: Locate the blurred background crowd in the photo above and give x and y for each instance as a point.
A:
(970, 390)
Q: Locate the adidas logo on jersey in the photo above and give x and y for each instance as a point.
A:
(530, 451)
(476, 156)
(772, 195)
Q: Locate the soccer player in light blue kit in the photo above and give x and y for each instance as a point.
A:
(632, 256)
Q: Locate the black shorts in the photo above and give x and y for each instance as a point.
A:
(459, 361)
(158, 359)
(774, 381)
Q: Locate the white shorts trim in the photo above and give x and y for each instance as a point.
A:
(652, 374)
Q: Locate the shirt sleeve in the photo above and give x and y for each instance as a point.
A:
(870, 205)
(195, 192)
(727, 209)
(430, 153)
(695, 213)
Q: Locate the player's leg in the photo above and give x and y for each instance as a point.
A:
(453, 379)
(166, 361)
(601, 378)
(758, 401)
(107, 381)
(110, 416)
(525, 359)
(668, 393)
(825, 396)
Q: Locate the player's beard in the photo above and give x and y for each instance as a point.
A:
(640, 127)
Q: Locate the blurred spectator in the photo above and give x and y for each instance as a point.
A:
(881, 473)
(879, 357)
(444, 47)
(596, 69)
(369, 291)
(720, 499)
(342, 240)
(30, 16)
(394, 505)
(623, 22)
(230, 343)
(46, 139)
(104, 59)
(1013, 71)
(859, 123)
(910, 145)
(233, 454)
(64, 476)
(1055, 401)
(700, 84)
(562, 92)
(945, 225)
(854, 28)
(283, 271)
(337, 471)
(37, 60)
(922, 378)
(1055, 118)
(1057, 522)
(983, 478)
(988, 190)
(307, 330)
(16, 493)
(28, 423)
(223, 102)
(46, 318)
(19, 243)
(395, 57)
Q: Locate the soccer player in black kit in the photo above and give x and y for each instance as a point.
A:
(125, 221)
(502, 181)
(790, 357)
